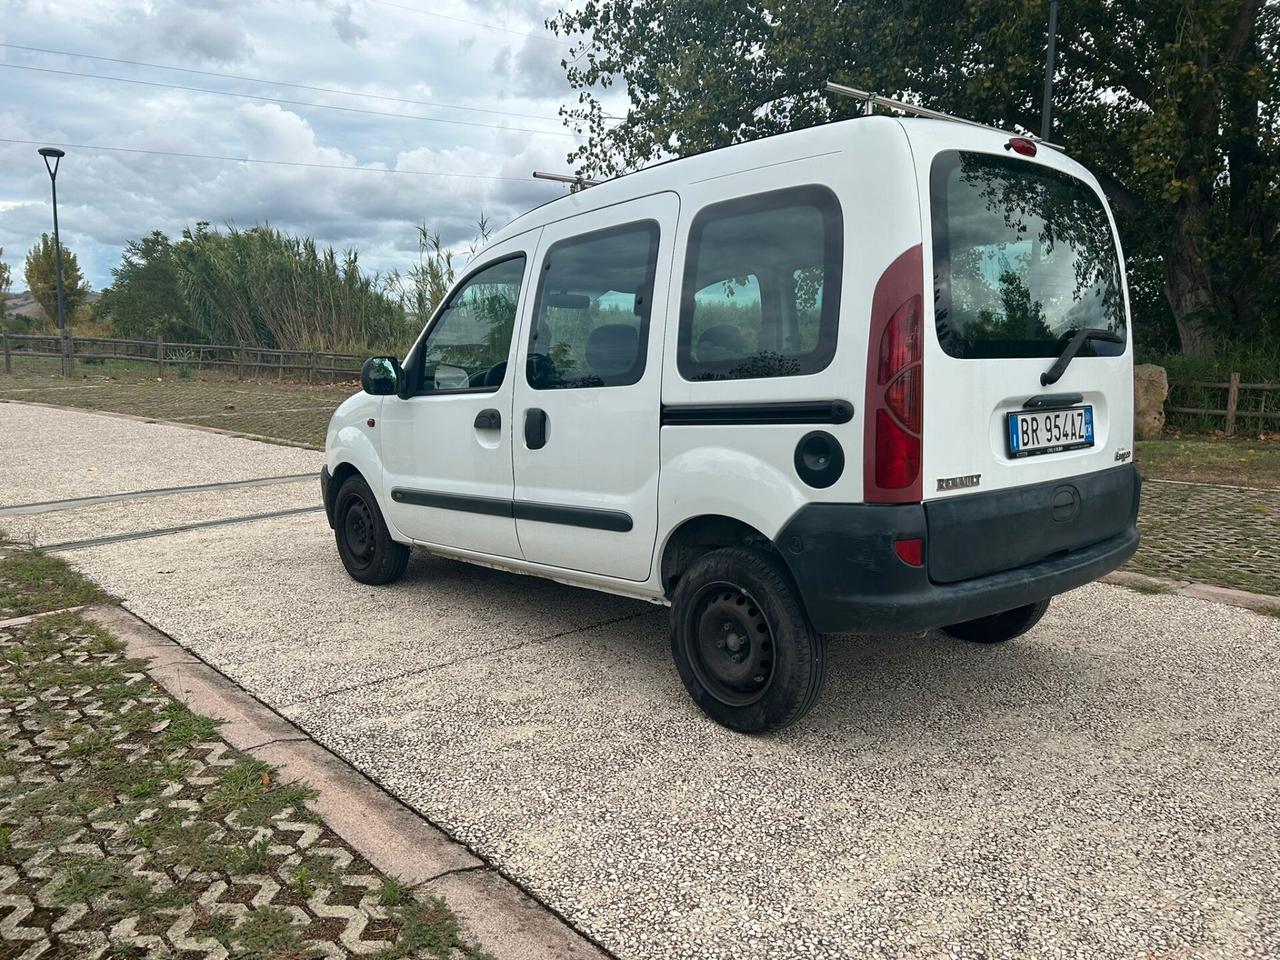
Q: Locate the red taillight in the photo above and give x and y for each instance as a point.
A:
(910, 551)
(1022, 145)
(903, 398)
(900, 344)
(897, 454)
(895, 384)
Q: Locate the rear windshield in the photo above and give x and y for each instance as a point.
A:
(1022, 256)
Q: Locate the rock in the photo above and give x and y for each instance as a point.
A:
(1150, 390)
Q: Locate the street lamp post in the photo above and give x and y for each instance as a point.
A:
(1046, 115)
(56, 155)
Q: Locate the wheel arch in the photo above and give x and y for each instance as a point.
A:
(700, 535)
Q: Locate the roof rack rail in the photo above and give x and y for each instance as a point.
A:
(871, 101)
(576, 183)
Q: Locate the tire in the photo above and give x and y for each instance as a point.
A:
(365, 546)
(742, 643)
(1000, 627)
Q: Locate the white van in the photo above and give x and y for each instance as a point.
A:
(869, 376)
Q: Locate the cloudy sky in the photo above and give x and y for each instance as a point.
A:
(482, 55)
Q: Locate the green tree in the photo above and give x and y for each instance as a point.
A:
(41, 274)
(1174, 106)
(145, 298)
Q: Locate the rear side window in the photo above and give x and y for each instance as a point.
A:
(1023, 256)
(591, 321)
(761, 293)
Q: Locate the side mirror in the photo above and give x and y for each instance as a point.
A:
(381, 376)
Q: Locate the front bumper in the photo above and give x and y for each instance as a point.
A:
(327, 493)
(851, 580)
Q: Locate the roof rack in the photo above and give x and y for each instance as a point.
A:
(575, 183)
(871, 100)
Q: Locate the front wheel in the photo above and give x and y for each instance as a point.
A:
(1000, 627)
(364, 544)
(741, 641)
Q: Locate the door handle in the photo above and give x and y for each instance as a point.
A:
(535, 429)
(488, 420)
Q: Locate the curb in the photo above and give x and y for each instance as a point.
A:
(1198, 591)
(499, 915)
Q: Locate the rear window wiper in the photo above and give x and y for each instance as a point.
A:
(1078, 339)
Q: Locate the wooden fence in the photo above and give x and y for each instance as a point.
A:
(313, 366)
(1230, 401)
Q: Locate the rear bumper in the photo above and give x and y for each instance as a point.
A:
(852, 581)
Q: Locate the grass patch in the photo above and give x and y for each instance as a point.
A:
(1244, 463)
(1149, 587)
(1269, 611)
(33, 582)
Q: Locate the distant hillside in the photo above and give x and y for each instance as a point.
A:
(23, 304)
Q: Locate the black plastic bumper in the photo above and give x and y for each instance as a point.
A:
(327, 493)
(851, 580)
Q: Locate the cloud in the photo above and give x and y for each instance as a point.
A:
(107, 198)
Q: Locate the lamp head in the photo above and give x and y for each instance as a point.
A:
(51, 152)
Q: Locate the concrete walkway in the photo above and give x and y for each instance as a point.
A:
(1105, 787)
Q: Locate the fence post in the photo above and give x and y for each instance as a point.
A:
(160, 357)
(280, 373)
(240, 363)
(1233, 401)
(68, 354)
(8, 360)
(311, 368)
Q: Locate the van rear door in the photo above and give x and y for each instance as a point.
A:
(1028, 382)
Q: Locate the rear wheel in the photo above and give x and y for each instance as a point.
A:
(365, 546)
(741, 641)
(1000, 627)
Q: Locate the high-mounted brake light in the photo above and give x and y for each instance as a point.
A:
(1022, 145)
(892, 442)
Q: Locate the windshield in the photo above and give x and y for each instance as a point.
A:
(1023, 256)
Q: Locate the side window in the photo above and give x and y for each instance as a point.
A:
(591, 320)
(468, 344)
(761, 295)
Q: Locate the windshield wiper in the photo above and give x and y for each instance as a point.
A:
(1078, 339)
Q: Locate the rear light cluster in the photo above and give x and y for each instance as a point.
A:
(895, 385)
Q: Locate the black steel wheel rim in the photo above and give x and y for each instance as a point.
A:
(730, 642)
(358, 531)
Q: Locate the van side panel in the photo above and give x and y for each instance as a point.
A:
(749, 470)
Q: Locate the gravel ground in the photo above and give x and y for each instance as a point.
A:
(1108, 786)
(57, 454)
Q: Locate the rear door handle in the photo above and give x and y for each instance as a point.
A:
(535, 428)
(488, 420)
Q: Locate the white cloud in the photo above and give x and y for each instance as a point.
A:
(106, 199)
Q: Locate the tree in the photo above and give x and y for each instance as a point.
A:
(145, 298)
(1174, 106)
(41, 274)
(6, 282)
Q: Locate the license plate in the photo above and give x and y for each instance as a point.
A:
(1034, 432)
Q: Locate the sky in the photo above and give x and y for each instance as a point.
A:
(483, 55)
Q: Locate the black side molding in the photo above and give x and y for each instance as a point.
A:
(593, 518)
(743, 414)
(490, 506)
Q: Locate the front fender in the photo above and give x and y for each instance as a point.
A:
(350, 440)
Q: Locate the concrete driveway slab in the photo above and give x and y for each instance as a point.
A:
(125, 517)
(270, 603)
(1103, 788)
(52, 454)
